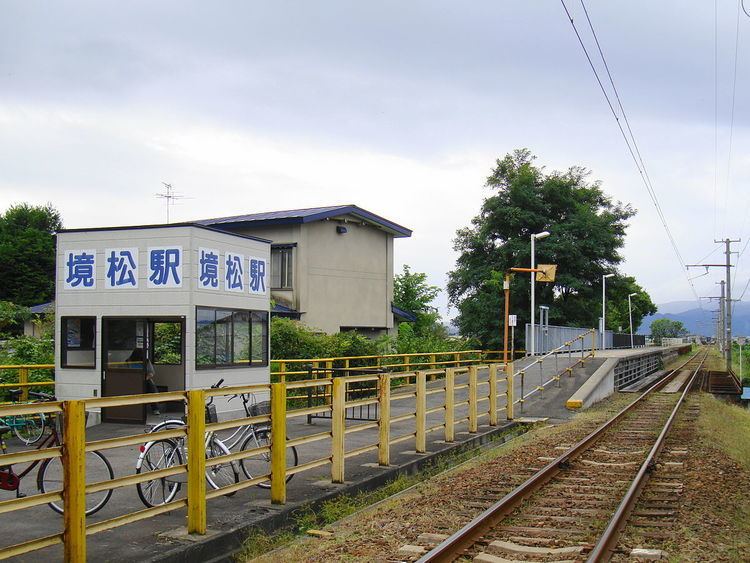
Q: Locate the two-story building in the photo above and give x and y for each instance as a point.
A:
(331, 267)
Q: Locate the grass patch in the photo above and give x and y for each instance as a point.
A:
(727, 426)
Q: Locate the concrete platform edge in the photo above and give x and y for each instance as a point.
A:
(597, 387)
(223, 545)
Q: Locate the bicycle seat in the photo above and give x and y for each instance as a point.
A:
(14, 394)
(4, 429)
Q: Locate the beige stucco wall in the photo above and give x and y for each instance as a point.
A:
(340, 280)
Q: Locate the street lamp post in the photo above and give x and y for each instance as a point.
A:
(630, 315)
(534, 238)
(604, 308)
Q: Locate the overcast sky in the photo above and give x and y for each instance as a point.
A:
(399, 107)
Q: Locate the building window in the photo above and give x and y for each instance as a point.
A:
(78, 348)
(281, 267)
(231, 338)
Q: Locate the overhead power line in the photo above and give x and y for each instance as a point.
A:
(731, 113)
(716, 113)
(631, 142)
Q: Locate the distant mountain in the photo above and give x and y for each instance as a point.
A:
(699, 321)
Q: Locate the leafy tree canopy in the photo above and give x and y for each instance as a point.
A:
(667, 328)
(587, 232)
(12, 317)
(27, 253)
(412, 293)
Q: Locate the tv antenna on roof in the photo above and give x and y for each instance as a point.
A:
(170, 195)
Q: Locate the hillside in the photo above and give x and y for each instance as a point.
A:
(698, 321)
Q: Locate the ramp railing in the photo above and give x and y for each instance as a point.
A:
(575, 351)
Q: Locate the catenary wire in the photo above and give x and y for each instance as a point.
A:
(731, 113)
(716, 113)
(631, 150)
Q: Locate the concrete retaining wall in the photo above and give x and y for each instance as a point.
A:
(617, 373)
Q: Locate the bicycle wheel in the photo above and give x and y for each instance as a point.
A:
(98, 470)
(159, 454)
(222, 474)
(28, 427)
(260, 463)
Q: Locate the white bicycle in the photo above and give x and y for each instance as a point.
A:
(166, 453)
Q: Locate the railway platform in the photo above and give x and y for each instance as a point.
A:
(620, 370)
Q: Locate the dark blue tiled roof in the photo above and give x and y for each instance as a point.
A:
(403, 314)
(279, 308)
(306, 215)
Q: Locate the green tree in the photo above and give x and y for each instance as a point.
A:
(667, 328)
(12, 317)
(412, 293)
(27, 253)
(587, 232)
(618, 289)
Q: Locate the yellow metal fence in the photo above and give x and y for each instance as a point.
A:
(467, 395)
(482, 402)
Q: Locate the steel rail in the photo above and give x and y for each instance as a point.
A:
(456, 544)
(607, 543)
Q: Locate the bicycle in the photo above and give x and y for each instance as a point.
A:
(252, 436)
(171, 452)
(50, 476)
(28, 428)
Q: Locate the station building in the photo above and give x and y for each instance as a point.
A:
(189, 300)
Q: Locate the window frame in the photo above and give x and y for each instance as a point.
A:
(64, 349)
(287, 257)
(232, 365)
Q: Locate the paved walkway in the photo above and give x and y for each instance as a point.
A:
(141, 541)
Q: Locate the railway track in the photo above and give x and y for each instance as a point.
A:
(576, 506)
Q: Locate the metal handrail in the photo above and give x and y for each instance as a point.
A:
(551, 352)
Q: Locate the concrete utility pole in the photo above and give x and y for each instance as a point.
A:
(728, 303)
(722, 331)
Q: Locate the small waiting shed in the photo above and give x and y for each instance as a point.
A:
(189, 303)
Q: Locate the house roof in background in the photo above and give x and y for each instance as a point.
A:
(306, 215)
(43, 308)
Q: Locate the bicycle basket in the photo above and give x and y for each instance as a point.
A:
(259, 409)
(211, 415)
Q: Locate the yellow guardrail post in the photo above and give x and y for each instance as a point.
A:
(338, 429)
(278, 443)
(282, 372)
(493, 394)
(23, 378)
(384, 422)
(509, 390)
(346, 366)
(196, 461)
(472, 398)
(329, 369)
(450, 401)
(74, 480)
(421, 413)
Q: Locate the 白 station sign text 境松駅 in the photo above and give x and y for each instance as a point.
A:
(227, 271)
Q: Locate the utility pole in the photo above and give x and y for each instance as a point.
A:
(728, 303)
(722, 331)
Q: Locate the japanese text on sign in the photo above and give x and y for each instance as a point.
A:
(80, 269)
(121, 268)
